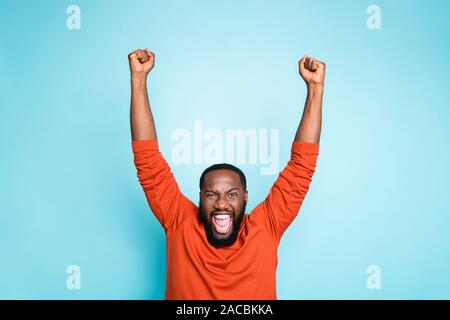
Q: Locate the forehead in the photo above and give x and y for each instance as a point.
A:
(222, 178)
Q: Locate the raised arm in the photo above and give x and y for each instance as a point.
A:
(164, 197)
(141, 117)
(313, 73)
(286, 196)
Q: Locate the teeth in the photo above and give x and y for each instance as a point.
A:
(222, 216)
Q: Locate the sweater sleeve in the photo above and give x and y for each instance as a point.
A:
(163, 195)
(286, 196)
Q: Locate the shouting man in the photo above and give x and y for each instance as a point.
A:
(216, 251)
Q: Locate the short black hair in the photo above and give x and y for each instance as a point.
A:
(224, 166)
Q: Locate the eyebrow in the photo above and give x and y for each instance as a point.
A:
(208, 190)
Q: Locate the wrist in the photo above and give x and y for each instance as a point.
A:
(316, 87)
(139, 80)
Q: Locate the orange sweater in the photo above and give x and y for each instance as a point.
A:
(245, 270)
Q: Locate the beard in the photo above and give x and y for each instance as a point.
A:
(209, 228)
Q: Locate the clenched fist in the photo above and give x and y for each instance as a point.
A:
(312, 71)
(141, 62)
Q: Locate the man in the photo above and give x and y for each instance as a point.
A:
(217, 251)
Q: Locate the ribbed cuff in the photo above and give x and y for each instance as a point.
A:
(144, 145)
(305, 147)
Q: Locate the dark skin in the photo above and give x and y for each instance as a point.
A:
(222, 193)
(216, 194)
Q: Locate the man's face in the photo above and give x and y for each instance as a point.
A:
(222, 206)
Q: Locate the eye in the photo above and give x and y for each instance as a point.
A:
(210, 195)
(233, 195)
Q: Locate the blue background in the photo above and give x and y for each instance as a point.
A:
(69, 194)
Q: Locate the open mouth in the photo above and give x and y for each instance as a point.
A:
(222, 222)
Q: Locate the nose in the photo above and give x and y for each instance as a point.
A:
(221, 203)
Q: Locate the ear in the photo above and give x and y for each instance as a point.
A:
(246, 196)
